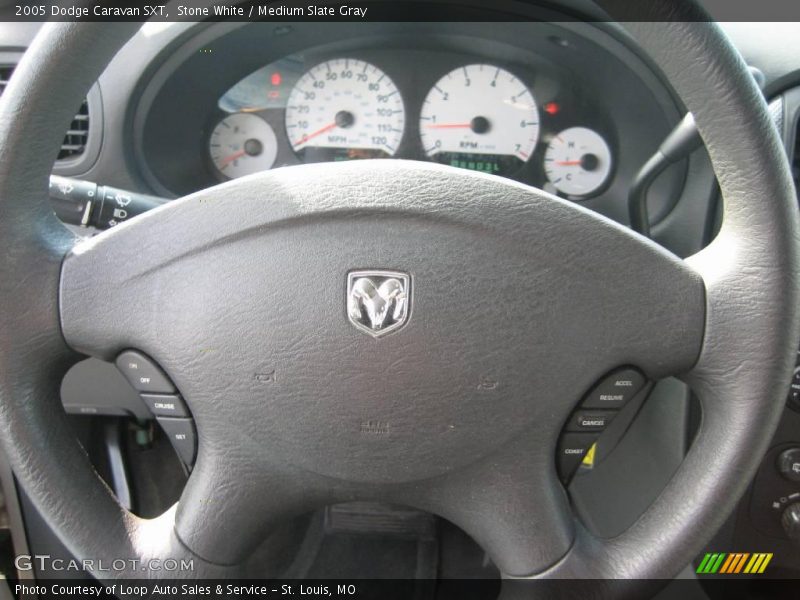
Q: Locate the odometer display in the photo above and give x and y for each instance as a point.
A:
(344, 109)
(480, 117)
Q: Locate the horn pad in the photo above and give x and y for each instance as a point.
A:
(501, 305)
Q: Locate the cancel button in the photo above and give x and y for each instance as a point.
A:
(590, 420)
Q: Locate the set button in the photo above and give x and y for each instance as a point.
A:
(182, 436)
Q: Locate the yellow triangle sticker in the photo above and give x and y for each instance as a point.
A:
(588, 460)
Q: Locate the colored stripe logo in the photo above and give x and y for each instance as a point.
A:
(734, 563)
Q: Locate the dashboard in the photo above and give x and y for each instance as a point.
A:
(570, 111)
(476, 115)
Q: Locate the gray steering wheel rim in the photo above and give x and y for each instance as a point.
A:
(749, 270)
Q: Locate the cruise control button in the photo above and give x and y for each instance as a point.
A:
(590, 420)
(182, 435)
(572, 448)
(143, 373)
(615, 390)
(166, 405)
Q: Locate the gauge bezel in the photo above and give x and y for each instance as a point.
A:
(609, 178)
(330, 152)
(221, 116)
(529, 89)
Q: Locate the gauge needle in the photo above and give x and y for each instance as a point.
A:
(229, 159)
(449, 126)
(568, 163)
(319, 131)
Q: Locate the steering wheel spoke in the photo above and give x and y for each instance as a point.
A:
(231, 504)
(511, 503)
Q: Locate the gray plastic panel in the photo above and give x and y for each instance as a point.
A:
(95, 387)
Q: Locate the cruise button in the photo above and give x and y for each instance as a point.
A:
(590, 420)
(165, 405)
(615, 390)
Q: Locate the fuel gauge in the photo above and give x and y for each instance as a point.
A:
(242, 144)
(577, 162)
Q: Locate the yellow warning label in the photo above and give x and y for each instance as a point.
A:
(588, 460)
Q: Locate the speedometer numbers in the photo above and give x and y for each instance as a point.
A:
(480, 117)
(343, 109)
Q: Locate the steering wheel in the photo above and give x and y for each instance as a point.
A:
(507, 282)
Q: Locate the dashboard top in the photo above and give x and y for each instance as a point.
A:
(565, 107)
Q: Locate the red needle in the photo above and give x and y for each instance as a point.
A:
(229, 159)
(319, 131)
(568, 163)
(449, 126)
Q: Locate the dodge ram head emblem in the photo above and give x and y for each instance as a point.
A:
(377, 301)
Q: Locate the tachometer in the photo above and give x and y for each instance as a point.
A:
(480, 117)
(343, 109)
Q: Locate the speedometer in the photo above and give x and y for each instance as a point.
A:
(343, 109)
(480, 117)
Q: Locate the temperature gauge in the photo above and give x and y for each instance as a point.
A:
(577, 162)
(242, 144)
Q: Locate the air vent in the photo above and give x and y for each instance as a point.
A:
(74, 143)
(5, 75)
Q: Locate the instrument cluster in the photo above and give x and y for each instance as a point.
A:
(522, 121)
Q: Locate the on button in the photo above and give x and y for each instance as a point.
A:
(143, 374)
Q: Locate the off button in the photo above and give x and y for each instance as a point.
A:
(143, 374)
(615, 390)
